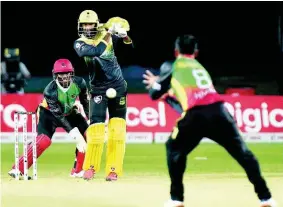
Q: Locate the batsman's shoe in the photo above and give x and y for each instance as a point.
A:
(268, 203)
(13, 173)
(112, 176)
(172, 203)
(88, 174)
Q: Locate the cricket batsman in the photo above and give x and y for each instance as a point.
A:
(108, 90)
(191, 89)
(58, 109)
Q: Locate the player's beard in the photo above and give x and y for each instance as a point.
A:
(90, 33)
(65, 83)
(64, 80)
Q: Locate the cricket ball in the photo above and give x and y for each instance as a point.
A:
(111, 93)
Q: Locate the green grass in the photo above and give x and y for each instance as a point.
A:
(145, 181)
(150, 159)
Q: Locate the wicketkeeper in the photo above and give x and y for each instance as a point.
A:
(191, 89)
(58, 109)
(96, 46)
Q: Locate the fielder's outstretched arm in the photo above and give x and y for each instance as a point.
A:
(163, 94)
(163, 84)
(159, 88)
(174, 103)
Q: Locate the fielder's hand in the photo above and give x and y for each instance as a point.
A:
(81, 143)
(149, 79)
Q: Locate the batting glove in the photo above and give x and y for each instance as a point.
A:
(121, 32)
(113, 29)
(81, 143)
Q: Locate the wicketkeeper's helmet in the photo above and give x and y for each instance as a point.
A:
(63, 71)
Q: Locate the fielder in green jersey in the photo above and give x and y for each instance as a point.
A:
(188, 88)
(59, 109)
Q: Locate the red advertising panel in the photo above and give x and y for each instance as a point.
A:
(255, 115)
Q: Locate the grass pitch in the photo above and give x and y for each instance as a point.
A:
(212, 178)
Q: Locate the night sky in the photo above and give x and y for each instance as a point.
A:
(235, 38)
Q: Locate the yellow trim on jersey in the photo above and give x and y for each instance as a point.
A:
(127, 41)
(96, 39)
(171, 92)
(6, 52)
(104, 42)
(175, 131)
(44, 103)
(180, 93)
(86, 40)
(37, 115)
(17, 52)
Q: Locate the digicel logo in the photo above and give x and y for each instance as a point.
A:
(7, 114)
(249, 119)
(147, 116)
(254, 119)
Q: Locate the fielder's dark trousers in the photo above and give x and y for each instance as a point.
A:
(99, 103)
(215, 122)
(47, 123)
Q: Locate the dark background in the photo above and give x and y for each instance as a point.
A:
(235, 38)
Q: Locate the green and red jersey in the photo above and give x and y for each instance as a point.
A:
(188, 82)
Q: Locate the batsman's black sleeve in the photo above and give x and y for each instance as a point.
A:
(51, 97)
(84, 96)
(122, 42)
(84, 49)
